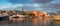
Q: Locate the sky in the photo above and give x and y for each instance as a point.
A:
(51, 6)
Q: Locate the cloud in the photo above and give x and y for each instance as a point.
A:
(55, 5)
(11, 6)
(52, 6)
(43, 1)
(19, 6)
(5, 6)
(33, 5)
(47, 8)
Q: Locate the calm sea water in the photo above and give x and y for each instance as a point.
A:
(31, 23)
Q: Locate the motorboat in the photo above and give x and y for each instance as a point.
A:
(3, 17)
(17, 18)
(57, 18)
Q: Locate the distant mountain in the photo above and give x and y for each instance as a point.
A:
(52, 13)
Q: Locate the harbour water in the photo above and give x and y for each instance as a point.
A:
(32, 22)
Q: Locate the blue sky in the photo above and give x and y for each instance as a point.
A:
(40, 5)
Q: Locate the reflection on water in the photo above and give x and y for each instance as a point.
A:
(33, 22)
(56, 23)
